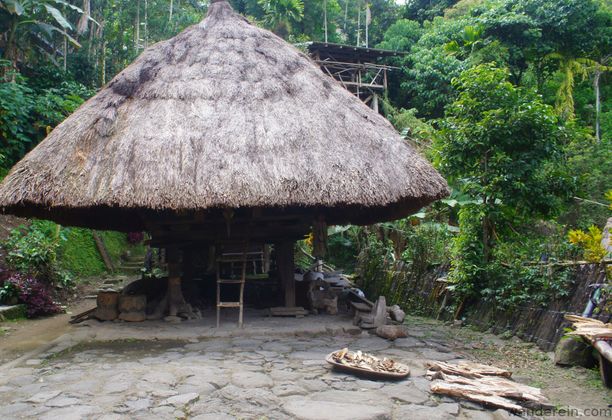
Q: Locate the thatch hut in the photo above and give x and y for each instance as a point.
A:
(223, 132)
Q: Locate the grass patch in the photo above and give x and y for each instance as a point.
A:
(79, 254)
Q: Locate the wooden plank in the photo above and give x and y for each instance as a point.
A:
(103, 252)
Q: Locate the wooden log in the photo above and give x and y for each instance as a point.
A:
(132, 308)
(106, 302)
(285, 311)
(75, 319)
(467, 369)
(103, 252)
(604, 348)
(391, 332)
(474, 394)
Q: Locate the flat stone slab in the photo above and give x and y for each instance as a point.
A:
(323, 410)
(443, 411)
(248, 379)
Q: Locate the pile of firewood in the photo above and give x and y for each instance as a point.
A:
(589, 328)
(486, 385)
(366, 361)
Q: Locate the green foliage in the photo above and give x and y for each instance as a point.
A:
(282, 15)
(408, 124)
(9, 292)
(502, 144)
(116, 244)
(394, 258)
(401, 36)
(589, 242)
(79, 254)
(28, 115)
(468, 267)
(32, 249)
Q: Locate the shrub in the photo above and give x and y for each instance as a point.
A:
(33, 249)
(34, 294)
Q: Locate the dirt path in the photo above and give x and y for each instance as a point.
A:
(26, 335)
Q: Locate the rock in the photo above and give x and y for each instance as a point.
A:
(396, 314)
(246, 379)
(500, 414)
(391, 332)
(303, 409)
(572, 351)
(405, 393)
(62, 402)
(173, 319)
(443, 411)
(138, 405)
(287, 390)
(43, 396)
(213, 416)
(182, 399)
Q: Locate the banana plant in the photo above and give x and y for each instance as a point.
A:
(34, 22)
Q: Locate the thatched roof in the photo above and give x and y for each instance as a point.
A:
(224, 115)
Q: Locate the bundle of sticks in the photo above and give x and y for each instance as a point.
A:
(367, 361)
(589, 328)
(486, 385)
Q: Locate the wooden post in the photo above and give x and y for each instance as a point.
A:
(176, 300)
(285, 264)
(319, 242)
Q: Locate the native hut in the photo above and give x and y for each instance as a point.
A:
(224, 134)
(358, 69)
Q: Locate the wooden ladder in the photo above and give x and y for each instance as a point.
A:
(241, 281)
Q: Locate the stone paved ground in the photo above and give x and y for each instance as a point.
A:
(258, 376)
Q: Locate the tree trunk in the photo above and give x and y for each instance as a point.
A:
(146, 23)
(83, 24)
(325, 18)
(137, 27)
(171, 11)
(597, 104)
(10, 52)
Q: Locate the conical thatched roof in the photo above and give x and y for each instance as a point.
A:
(224, 115)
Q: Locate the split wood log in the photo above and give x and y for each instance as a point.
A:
(75, 319)
(487, 385)
(466, 369)
(473, 394)
(495, 385)
(589, 328)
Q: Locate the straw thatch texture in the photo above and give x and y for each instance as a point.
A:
(225, 114)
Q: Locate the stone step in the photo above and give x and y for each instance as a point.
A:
(12, 311)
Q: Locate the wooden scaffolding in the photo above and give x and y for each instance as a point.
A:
(358, 69)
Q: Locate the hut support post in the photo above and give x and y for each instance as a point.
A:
(319, 241)
(176, 301)
(284, 260)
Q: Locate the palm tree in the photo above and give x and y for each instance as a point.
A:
(572, 67)
(281, 15)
